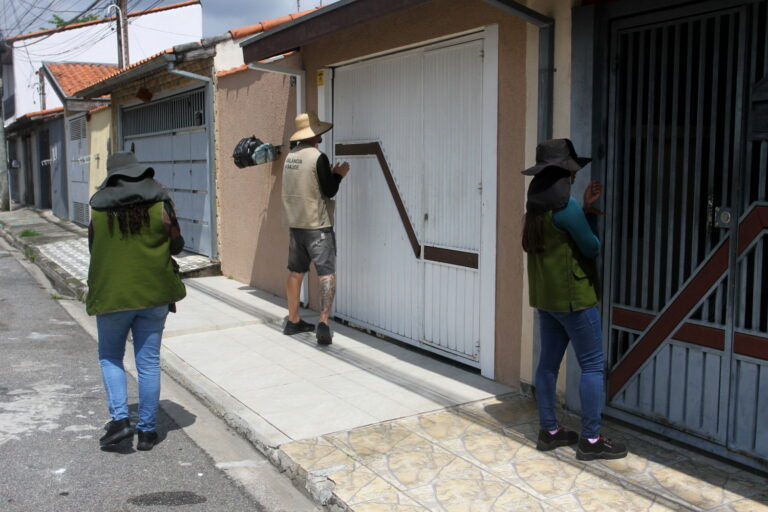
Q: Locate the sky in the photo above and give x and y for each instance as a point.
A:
(23, 16)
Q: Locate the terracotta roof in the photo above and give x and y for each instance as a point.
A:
(75, 76)
(41, 113)
(101, 20)
(116, 71)
(232, 71)
(262, 26)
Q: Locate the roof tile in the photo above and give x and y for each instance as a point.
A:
(73, 77)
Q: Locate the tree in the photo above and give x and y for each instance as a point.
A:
(58, 21)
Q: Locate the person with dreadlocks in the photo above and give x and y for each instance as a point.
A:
(132, 285)
(560, 237)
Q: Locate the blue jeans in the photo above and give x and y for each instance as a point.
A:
(147, 327)
(582, 328)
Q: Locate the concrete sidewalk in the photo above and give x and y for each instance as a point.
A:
(368, 425)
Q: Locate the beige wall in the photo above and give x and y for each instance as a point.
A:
(253, 242)
(99, 133)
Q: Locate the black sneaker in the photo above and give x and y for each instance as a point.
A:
(604, 448)
(562, 437)
(323, 334)
(146, 440)
(292, 328)
(117, 430)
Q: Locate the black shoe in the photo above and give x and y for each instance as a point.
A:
(117, 430)
(604, 448)
(323, 334)
(292, 328)
(562, 437)
(146, 440)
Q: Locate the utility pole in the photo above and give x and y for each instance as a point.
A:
(5, 179)
(122, 32)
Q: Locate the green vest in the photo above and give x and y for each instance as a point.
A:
(131, 272)
(560, 278)
(304, 205)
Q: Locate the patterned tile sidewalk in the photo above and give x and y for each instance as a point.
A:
(481, 457)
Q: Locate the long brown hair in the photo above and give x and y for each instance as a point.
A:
(533, 232)
(130, 219)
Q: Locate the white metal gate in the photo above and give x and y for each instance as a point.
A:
(171, 136)
(78, 170)
(409, 217)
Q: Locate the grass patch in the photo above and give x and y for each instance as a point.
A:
(29, 254)
(29, 232)
(55, 296)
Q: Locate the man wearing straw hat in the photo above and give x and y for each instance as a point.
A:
(309, 184)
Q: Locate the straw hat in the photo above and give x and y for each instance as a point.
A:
(308, 126)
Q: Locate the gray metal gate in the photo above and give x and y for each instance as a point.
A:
(171, 136)
(78, 170)
(688, 273)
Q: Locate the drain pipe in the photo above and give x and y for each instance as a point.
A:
(546, 59)
(211, 149)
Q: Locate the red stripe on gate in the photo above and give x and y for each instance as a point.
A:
(675, 312)
(695, 334)
(750, 345)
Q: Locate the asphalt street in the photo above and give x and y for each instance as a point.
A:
(52, 412)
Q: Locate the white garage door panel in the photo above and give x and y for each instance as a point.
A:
(453, 110)
(164, 174)
(425, 109)
(198, 145)
(190, 176)
(393, 86)
(376, 284)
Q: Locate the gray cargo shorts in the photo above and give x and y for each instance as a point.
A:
(306, 245)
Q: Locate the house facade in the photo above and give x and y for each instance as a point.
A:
(438, 104)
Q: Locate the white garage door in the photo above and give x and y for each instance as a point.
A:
(171, 136)
(410, 216)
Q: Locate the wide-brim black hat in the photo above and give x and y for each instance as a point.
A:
(558, 153)
(124, 164)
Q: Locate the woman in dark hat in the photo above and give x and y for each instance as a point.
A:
(132, 284)
(561, 240)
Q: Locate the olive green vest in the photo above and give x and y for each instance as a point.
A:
(304, 205)
(131, 272)
(560, 278)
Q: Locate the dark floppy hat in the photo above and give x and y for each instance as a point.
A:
(124, 164)
(556, 153)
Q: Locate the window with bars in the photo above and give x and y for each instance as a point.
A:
(173, 113)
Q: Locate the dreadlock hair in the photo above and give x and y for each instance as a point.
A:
(130, 219)
(533, 232)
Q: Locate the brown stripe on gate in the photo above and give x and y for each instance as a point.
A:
(374, 148)
(695, 334)
(451, 256)
(675, 312)
(751, 345)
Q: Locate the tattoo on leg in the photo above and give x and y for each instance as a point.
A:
(327, 292)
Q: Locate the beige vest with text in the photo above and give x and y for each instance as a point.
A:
(304, 205)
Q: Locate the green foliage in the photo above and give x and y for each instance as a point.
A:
(57, 21)
(29, 254)
(29, 232)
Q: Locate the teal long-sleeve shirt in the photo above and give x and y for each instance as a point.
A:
(581, 226)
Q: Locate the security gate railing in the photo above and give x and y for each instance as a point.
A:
(687, 276)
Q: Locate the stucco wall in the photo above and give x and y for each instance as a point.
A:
(99, 130)
(253, 243)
